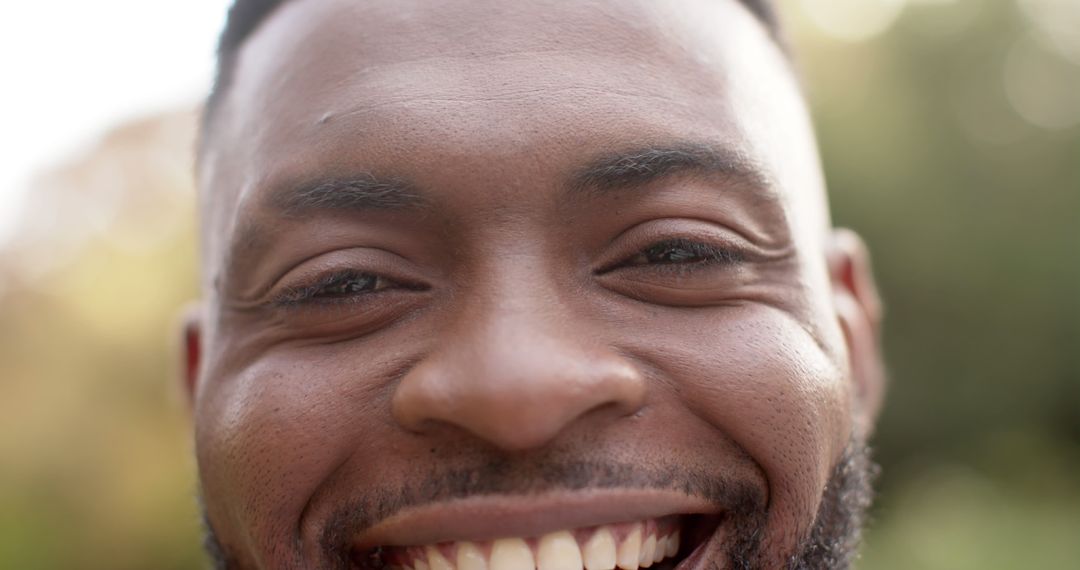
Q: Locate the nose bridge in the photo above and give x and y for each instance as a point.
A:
(516, 370)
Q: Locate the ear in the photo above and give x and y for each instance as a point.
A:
(190, 350)
(858, 307)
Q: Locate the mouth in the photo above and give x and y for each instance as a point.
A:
(661, 543)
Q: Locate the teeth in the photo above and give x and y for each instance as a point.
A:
(648, 550)
(630, 550)
(511, 554)
(435, 559)
(661, 548)
(599, 551)
(558, 551)
(469, 557)
(672, 544)
(641, 547)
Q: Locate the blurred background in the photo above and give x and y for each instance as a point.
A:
(950, 131)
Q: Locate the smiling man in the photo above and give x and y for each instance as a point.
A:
(513, 285)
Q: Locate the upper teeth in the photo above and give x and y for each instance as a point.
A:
(627, 546)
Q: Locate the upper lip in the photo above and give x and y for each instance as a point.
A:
(484, 518)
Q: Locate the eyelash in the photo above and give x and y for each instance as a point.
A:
(310, 293)
(709, 256)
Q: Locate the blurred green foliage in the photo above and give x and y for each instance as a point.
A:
(973, 217)
(969, 200)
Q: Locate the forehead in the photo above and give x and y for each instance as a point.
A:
(510, 90)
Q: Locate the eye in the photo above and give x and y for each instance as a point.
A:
(335, 287)
(343, 285)
(683, 252)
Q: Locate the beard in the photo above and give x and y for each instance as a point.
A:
(837, 532)
(832, 542)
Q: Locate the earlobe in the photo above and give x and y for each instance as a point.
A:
(859, 310)
(191, 350)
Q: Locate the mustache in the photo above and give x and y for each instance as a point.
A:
(524, 477)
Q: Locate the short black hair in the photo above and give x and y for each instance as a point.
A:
(246, 15)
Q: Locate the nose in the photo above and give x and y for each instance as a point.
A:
(516, 384)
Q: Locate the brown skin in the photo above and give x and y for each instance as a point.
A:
(517, 319)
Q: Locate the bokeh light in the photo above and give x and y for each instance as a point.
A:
(853, 20)
(1058, 24)
(1042, 85)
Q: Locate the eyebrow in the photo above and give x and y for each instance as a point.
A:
(356, 193)
(639, 167)
(634, 168)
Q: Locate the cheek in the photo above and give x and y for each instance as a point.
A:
(269, 435)
(761, 378)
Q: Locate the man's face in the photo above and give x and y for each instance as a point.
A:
(511, 284)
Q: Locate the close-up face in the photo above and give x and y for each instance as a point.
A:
(533, 284)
